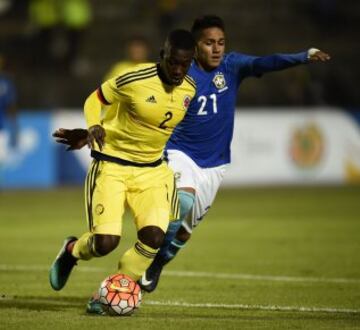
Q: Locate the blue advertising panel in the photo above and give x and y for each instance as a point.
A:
(37, 161)
(70, 170)
(31, 162)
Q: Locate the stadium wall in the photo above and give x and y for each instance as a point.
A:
(270, 147)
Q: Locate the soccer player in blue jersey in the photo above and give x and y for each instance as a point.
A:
(199, 148)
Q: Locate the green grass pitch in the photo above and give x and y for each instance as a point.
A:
(264, 258)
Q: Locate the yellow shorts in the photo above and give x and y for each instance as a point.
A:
(150, 193)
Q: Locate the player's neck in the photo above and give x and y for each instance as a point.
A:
(162, 76)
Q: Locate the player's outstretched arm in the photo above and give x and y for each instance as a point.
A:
(315, 55)
(276, 62)
(73, 138)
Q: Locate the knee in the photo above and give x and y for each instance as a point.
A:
(104, 244)
(187, 199)
(151, 236)
(183, 235)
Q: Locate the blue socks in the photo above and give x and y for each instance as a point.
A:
(171, 245)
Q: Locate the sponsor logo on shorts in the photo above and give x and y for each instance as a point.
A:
(99, 209)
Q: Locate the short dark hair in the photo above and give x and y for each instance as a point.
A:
(205, 22)
(181, 39)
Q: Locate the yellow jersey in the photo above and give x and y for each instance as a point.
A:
(146, 114)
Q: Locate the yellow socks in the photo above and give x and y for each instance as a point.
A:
(136, 260)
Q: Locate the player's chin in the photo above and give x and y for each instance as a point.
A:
(177, 82)
(214, 63)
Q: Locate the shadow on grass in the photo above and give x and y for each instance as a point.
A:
(39, 303)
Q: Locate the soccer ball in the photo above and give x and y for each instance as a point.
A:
(119, 295)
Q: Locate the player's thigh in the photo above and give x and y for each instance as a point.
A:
(184, 168)
(105, 191)
(154, 202)
(207, 184)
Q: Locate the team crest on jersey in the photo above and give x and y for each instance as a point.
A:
(219, 80)
(186, 102)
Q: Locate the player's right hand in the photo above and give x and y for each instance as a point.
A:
(315, 55)
(73, 138)
(96, 134)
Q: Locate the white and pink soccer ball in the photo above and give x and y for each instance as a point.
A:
(119, 295)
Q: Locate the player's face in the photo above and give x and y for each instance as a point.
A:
(175, 63)
(210, 48)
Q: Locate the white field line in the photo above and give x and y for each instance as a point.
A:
(298, 309)
(255, 307)
(173, 273)
(253, 277)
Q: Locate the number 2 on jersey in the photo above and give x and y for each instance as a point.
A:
(203, 100)
(168, 116)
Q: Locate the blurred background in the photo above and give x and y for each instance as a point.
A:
(293, 127)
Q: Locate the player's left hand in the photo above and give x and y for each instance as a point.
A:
(73, 138)
(315, 55)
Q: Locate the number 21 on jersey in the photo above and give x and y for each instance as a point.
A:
(203, 101)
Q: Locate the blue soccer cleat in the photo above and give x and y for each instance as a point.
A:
(150, 279)
(62, 266)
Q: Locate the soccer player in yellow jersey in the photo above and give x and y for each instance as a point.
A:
(127, 143)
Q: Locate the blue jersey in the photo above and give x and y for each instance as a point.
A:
(206, 132)
(7, 97)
